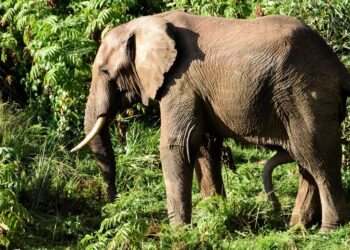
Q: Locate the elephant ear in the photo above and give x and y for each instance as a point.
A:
(154, 53)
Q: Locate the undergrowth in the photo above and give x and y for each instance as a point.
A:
(52, 199)
(46, 194)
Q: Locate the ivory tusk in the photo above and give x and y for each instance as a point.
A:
(94, 131)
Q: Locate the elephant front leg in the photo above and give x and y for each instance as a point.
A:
(181, 135)
(208, 167)
(178, 175)
(178, 155)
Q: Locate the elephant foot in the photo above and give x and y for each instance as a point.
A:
(209, 185)
(307, 209)
(333, 218)
(178, 223)
(328, 227)
(305, 219)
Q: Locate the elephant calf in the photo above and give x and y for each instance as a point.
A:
(269, 81)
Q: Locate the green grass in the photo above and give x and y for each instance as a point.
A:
(52, 199)
(48, 196)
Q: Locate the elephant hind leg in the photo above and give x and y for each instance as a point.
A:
(208, 167)
(307, 208)
(281, 157)
(320, 155)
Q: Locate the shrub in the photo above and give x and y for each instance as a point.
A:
(59, 40)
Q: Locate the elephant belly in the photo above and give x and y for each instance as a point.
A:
(248, 119)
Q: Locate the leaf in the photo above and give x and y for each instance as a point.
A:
(22, 22)
(3, 56)
(105, 15)
(48, 53)
(52, 19)
(8, 16)
(35, 71)
(51, 77)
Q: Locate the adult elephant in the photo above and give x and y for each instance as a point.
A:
(269, 81)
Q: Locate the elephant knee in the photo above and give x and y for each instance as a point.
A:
(185, 153)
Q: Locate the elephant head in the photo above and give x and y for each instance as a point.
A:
(129, 67)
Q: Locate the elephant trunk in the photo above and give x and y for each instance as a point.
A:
(101, 146)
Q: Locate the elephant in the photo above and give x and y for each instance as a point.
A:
(269, 81)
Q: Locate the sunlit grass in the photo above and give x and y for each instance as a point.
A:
(51, 198)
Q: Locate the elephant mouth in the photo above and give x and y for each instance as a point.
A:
(100, 122)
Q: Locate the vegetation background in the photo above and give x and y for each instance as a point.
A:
(52, 199)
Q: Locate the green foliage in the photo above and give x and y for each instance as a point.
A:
(43, 189)
(50, 198)
(61, 39)
(230, 9)
(243, 220)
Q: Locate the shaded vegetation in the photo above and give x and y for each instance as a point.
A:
(50, 198)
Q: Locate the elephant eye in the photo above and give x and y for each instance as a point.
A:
(105, 72)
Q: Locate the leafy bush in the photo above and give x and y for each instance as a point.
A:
(59, 39)
(230, 9)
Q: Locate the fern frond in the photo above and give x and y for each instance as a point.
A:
(51, 23)
(35, 71)
(53, 20)
(105, 15)
(51, 77)
(48, 53)
(98, 4)
(71, 34)
(112, 222)
(22, 13)
(9, 14)
(73, 59)
(122, 236)
(93, 25)
(8, 41)
(22, 22)
(55, 74)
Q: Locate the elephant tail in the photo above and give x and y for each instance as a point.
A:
(346, 85)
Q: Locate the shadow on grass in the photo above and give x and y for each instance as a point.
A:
(59, 217)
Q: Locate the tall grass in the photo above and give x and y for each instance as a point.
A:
(46, 193)
(50, 198)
